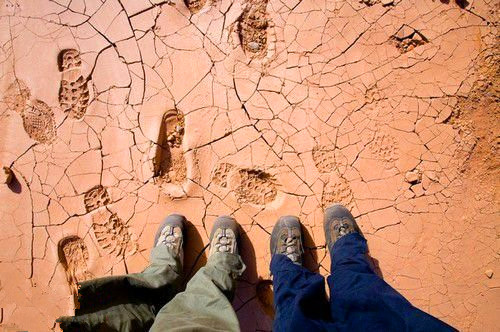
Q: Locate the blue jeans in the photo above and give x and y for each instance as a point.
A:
(359, 299)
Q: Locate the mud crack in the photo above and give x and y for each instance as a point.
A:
(407, 38)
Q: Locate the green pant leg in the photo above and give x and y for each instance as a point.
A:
(121, 317)
(205, 304)
(128, 302)
(158, 283)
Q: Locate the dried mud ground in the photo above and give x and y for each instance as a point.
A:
(115, 113)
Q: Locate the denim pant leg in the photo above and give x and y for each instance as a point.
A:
(299, 297)
(360, 300)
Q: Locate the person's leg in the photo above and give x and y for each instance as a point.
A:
(125, 317)
(299, 294)
(129, 302)
(206, 302)
(359, 299)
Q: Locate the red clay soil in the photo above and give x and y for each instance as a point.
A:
(115, 113)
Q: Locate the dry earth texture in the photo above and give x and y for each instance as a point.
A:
(115, 113)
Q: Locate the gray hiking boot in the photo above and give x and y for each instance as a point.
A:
(337, 223)
(171, 234)
(224, 236)
(286, 239)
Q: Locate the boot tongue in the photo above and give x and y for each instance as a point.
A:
(166, 236)
(170, 238)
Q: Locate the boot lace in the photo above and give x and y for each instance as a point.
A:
(224, 242)
(343, 228)
(169, 238)
(291, 246)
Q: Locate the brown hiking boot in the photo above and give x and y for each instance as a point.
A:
(338, 222)
(286, 239)
(224, 236)
(171, 234)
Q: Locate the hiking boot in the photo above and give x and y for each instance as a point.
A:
(338, 222)
(171, 234)
(224, 236)
(286, 239)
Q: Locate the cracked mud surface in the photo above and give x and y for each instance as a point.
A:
(407, 38)
(115, 113)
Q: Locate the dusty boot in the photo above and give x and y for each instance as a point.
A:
(171, 234)
(337, 223)
(286, 239)
(224, 236)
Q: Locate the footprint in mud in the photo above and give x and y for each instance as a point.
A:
(328, 159)
(252, 27)
(169, 163)
(73, 255)
(73, 91)
(17, 96)
(337, 190)
(113, 235)
(384, 146)
(249, 185)
(38, 117)
(407, 38)
(255, 186)
(194, 5)
(221, 174)
(95, 198)
(39, 122)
